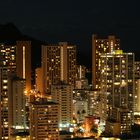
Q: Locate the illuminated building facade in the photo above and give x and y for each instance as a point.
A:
(44, 120)
(120, 123)
(81, 102)
(23, 62)
(38, 80)
(18, 59)
(81, 71)
(14, 59)
(62, 93)
(4, 106)
(17, 102)
(100, 46)
(59, 64)
(81, 84)
(118, 82)
(137, 95)
(8, 57)
(12, 115)
(20, 136)
(7, 65)
(81, 81)
(137, 69)
(96, 104)
(80, 109)
(126, 120)
(113, 128)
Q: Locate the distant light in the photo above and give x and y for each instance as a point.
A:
(117, 83)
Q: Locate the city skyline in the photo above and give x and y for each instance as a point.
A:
(109, 104)
(15, 35)
(75, 22)
(69, 69)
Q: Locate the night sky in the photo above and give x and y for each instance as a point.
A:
(76, 20)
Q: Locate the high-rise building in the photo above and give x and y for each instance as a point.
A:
(7, 64)
(137, 80)
(17, 104)
(23, 62)
(44, 120)
(137, 93)
(12, 116)
(118, 82)
(100, 46)
(137, 70)
(18, 59)
(14, 59)
(137, 98)
(62, 93)
(59, 64)
(4, 105)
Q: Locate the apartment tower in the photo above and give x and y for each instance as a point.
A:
(7, 66)
(100, 46)
(17, 104)
(118, 85)
(14, 60)
(59, 64)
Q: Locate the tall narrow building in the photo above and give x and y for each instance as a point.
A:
(17, 104)
(59, 64)
(99, 46)
(7, 65)
(137, 94)
(4, 104)
(118, 84)
(14, 59)
(23, 62)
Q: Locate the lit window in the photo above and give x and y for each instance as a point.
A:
(123, 61)
(4, 63)
(4, 81)
(4, 87)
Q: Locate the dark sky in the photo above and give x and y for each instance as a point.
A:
(75, 20)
